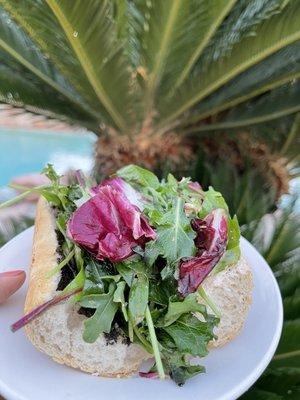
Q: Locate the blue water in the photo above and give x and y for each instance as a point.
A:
(23, 152)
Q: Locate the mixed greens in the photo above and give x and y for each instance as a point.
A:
(134, 252)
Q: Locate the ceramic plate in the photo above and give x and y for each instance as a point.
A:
(27, 374)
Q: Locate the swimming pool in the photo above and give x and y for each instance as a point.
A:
(23, 151)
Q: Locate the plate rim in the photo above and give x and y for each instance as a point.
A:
(239, 389)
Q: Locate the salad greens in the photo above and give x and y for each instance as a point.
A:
(136, 250)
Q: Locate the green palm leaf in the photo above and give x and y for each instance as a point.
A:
(242, 22)
(201, 23)
(90, 31)
(22, 50)
(20, 89)
(37, 20)
(276, 104)
(267, 75)
(104, 57)
(271, 36)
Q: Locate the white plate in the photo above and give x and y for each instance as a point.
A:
(27, 374)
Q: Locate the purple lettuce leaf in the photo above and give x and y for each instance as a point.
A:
(211, 242)
(133, 196)
(40, 309)
(109, 225)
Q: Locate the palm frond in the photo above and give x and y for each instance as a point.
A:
(278, 103)
(267, 75)
(91, 32)
(156, 35)
(20, 89)
(271, 35)
(39, 23)
(201, 22)
(19, 47)
(242, 22)
(292, 142)
(102, 71)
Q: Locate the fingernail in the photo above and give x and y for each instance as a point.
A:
(12, 274)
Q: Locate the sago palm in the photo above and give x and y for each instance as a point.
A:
(145, 74)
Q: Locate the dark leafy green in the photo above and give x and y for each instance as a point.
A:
(101, 321)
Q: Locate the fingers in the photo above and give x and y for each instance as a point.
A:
(10, 282)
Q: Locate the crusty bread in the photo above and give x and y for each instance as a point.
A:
(58, 331)
(231, 292)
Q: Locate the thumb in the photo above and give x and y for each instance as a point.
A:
(10, 282)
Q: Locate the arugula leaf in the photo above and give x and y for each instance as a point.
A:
(234, 233)
(93, 283)
(177, 363)
(77, 282)
(190, 335)
(120, 298)
(175, 235)
(177, 308)
(160, 292)
(233, 251)
(126, 273)
(138, 298)
(212, 200)
(51, 174)
(95, 271)
(141, 176)
(102, 319)
(152, 251)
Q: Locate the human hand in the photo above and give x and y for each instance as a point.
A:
(10, 282)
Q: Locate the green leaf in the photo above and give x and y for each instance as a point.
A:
(102, 319)
(126, 273)
(177, 308)
(152, 251)
(230, 257)
(288, 351)
(20, 89)
(212, 200)
(233, 252)
(19, 46)
(267, 75)
(120, 298)
(276, 104)
(138, 298)
(191, 335)
(291, 305)
(271, 36)
(201, 23)
(92, 35)
(181, 374)
(138, 175)
(258, 394)
(175, 235)
(96, 272)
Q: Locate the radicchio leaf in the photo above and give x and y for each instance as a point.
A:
(149, 375)
(196, 187)
(109, 225)
(133, 196)
(41, 308)
(211, 241)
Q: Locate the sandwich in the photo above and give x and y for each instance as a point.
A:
(132, 269)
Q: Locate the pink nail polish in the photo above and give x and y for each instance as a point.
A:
(11, 274)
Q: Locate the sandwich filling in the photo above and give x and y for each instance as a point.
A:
(133, 254)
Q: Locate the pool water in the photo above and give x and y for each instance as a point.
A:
(23, 152)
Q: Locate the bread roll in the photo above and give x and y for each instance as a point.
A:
(58, 331)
